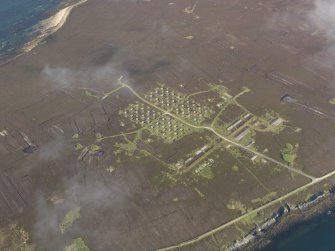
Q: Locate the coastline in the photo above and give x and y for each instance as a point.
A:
(293, 220)
(260, 238)
(44, 28)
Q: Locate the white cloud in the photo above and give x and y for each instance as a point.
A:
(322, 17)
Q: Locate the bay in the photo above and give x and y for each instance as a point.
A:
(316, 234)
(18, 19)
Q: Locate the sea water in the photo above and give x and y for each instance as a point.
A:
(317, 234)
(18, 20)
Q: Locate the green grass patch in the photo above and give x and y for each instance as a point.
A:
(90, 94)
(289, 153)
(69, 219)
(250, 219)
(237, 205)
(98, 136)
(248, 138)
(78, 146)
(221, 90)
(75, 136)
(221, 127)
(206, 172)
(235, 168)
(267, 198)
(129, 147)
(95, 148)
(77, 245)
(235, 151)
(265, 122)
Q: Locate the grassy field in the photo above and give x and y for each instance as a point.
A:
(69, 218)
(289, 153)
(77, 245)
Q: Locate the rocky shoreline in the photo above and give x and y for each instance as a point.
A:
(285, 217)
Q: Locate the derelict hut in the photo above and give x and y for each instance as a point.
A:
(286, 99)
(30, 149)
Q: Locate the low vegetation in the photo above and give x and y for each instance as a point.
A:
(253, 218)
(13, 237)
(205, 170)
(78, 146)
(77, 245)
(75, 136)
(237, 205)
(235, 168)
(69, 219)
(207, 173)
(267, 198)
(289, 153)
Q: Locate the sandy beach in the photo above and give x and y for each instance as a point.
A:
(56, 21)
(47, 27)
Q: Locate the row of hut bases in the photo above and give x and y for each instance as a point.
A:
(144, 115)
(240, 122)
(238, 138)
(167, 97)
(261, 230)
(206, 148)
(197, 155)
